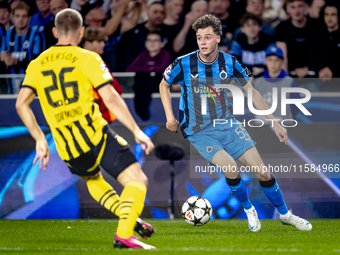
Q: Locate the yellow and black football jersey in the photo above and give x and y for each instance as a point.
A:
(63, 77)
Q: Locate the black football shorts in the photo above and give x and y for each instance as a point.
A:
(113, 154)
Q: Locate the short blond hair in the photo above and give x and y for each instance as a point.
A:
(68, 21)
(21, 6)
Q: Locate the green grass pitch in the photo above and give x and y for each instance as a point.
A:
(172, 237)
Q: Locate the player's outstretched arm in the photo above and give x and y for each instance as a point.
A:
(117, 106)
(22, 105)
(260, 104)
(171, 122)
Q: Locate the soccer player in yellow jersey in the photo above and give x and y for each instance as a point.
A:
(63, 77)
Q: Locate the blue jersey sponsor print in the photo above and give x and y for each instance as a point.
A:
(201, 101)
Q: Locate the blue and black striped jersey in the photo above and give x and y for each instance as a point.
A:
(25, 47)
(201, 101)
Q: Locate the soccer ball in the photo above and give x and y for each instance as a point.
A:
(196, 210)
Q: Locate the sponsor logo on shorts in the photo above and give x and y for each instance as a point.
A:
(209, 149)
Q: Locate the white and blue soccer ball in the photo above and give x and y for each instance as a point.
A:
(196, 210)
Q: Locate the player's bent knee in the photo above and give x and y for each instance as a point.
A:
(133, 173)
(263, 177)
(142, 178)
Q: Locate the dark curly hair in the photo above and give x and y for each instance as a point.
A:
(208, 20)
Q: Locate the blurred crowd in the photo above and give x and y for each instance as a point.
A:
(145, 36)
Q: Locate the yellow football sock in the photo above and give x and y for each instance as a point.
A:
(104, 194)
(131, 206)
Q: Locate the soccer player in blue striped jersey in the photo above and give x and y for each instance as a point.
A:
(199, 74)
(20, 45)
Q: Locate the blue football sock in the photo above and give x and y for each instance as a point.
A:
(275, 196)
(240, 192)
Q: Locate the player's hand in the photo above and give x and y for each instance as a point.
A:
(281, 133)
(144, 141)
(172, 125)
(43, 153)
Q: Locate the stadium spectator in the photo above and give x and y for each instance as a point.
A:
(256, 7)
(20, 45)
(149, 66)
(274, 11)
(295, 37)
(119, 22)
(5, 16)
(93, 13)
(78, 4)
(133, 42)
(250, 46)
(55, 7)
(115, 27)
(13, 3)
(94, 40)
(144, 9)
(185, 41)
(173, 10)
(4, 25)
(326, 48)
(314, 8)
(275, 77)
(220, 8)
(43, 16)
(237, 8)
(155, 59)
(172, 22)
